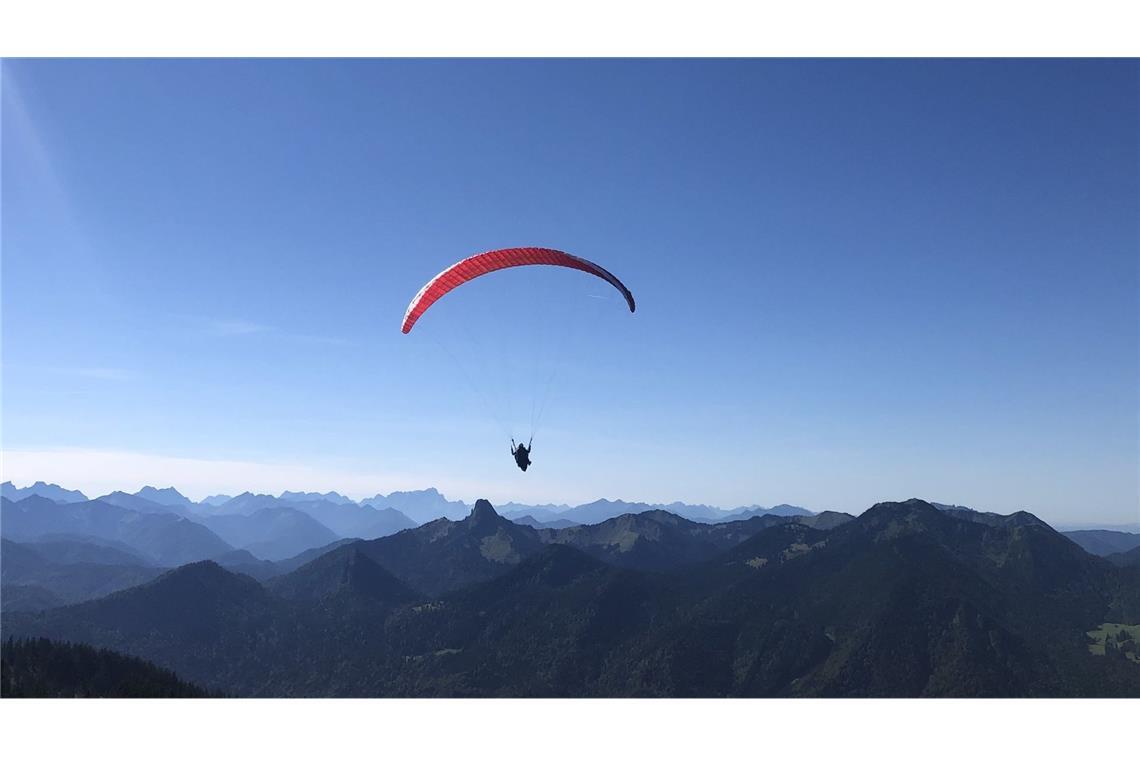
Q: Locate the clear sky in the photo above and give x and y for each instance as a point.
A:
(856, 281)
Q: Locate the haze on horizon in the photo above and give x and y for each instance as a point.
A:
(857, 281)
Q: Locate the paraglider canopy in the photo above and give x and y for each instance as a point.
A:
(542, 377)
(484, 263)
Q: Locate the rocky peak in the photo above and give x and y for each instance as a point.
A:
(483, 512)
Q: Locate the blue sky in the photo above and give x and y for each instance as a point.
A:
(856, 280)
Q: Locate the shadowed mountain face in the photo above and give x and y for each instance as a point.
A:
(904, 600)
(443, 555)
(549, 627)
(196, 619)
(227, 632)
(195, 602)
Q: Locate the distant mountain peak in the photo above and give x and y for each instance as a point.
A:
(50, 491)
(171, 490)
(149, 501)
(201, 577)
(483, 512)
(917, 515)
(330, 496)
(168, 496)
(206, 568)
(912, 515)
(901, 507)
(423, 491)
(951, 507)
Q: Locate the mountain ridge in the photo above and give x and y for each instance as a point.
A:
(904, 600)
(166, 539)
(40, 488)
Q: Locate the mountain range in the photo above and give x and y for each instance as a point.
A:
(419, 506)
(168, 529)
(904, 600)
(40, 488)
(163, 538)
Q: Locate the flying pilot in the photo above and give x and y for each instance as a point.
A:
(521, 453)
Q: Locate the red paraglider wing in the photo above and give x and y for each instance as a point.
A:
(484, 263)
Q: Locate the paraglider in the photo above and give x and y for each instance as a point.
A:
(478, 265)
(521, 454)
(485, 263)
